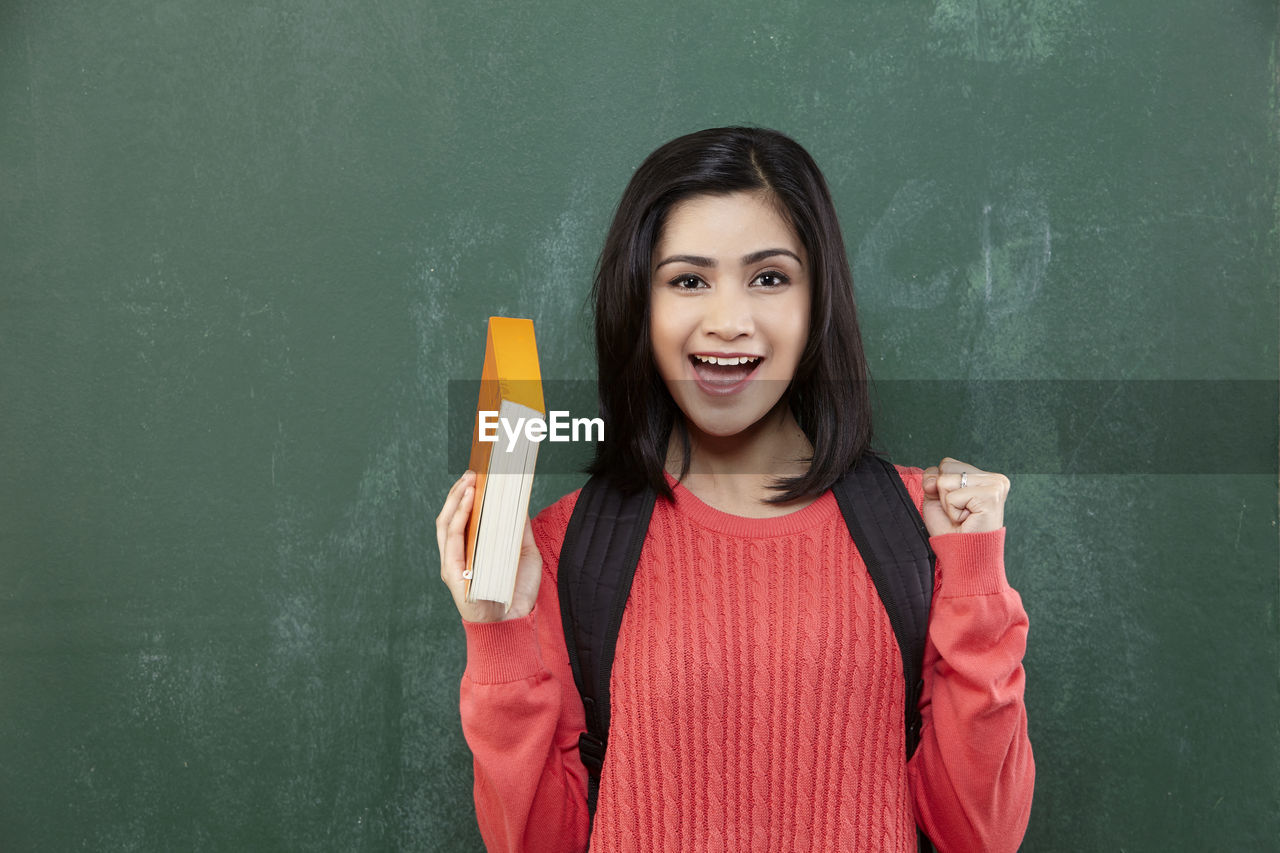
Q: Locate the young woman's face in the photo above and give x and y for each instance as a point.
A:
(729, 309)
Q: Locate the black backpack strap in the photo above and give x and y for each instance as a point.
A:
(894, 543)
(598, 561)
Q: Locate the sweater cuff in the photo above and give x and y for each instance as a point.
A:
(501, 652)
(970, 563)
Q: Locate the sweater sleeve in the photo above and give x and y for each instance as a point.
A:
(973, 774)
(521, 717)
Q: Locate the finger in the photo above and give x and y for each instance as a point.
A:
(450, 501)
(445, 532)
(958, 505)
(527, 544)
(982, 489)
(1004, 484)
(528, 575)
(952, 504)
(450, 507)
(455, 545)
(948, 483)
(971, 479)
(529, 553)
(467, 479)
(947, 480)
(975, 499)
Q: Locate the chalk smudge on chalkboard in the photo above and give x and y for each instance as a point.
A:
(970, 260)
(458, 269)
(151, 673)
(1007, 267)
(1015, 253)
(334, 655)
(898, 226)
(1005, 30)
(561, 267)
(177, 689)
(437, 346)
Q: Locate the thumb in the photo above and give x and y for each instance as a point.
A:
(528, 575)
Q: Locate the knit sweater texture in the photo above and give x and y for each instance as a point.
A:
(757, 698)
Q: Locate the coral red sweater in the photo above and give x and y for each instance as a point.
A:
(757, 698)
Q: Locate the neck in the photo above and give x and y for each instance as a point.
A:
(733, 473)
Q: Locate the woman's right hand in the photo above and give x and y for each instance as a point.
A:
(451, 527)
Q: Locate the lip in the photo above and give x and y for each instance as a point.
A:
(726, 390)
(731, 354)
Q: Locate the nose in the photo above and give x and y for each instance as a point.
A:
(728, 314)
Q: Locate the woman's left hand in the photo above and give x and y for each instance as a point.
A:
(959, 498)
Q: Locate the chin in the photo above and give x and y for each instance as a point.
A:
(730, 418)
(718, 430)
(726, 425)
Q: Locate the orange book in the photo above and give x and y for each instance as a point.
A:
(503, 455)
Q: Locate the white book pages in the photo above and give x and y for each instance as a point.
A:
(508, 488)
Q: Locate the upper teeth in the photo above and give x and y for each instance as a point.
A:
(714, 359)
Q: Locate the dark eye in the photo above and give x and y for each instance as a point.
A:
(687, 282)
(772, 278)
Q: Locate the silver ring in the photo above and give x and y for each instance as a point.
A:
(964, 479)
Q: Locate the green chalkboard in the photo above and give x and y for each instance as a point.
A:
(246, 248)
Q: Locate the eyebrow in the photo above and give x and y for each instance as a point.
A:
(747, 260)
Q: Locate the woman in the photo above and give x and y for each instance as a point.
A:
(757, 687)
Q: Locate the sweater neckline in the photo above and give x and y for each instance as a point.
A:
(690, 505)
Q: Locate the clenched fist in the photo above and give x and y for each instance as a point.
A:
(960, 498)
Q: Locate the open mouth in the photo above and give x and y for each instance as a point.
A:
(721, 374)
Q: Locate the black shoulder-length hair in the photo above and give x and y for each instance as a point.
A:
(828, 394)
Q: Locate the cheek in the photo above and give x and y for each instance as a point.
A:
(797, 326)
(657, 329)
(802, 335)
(798, 319)
(668, 324)
(662, 337)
